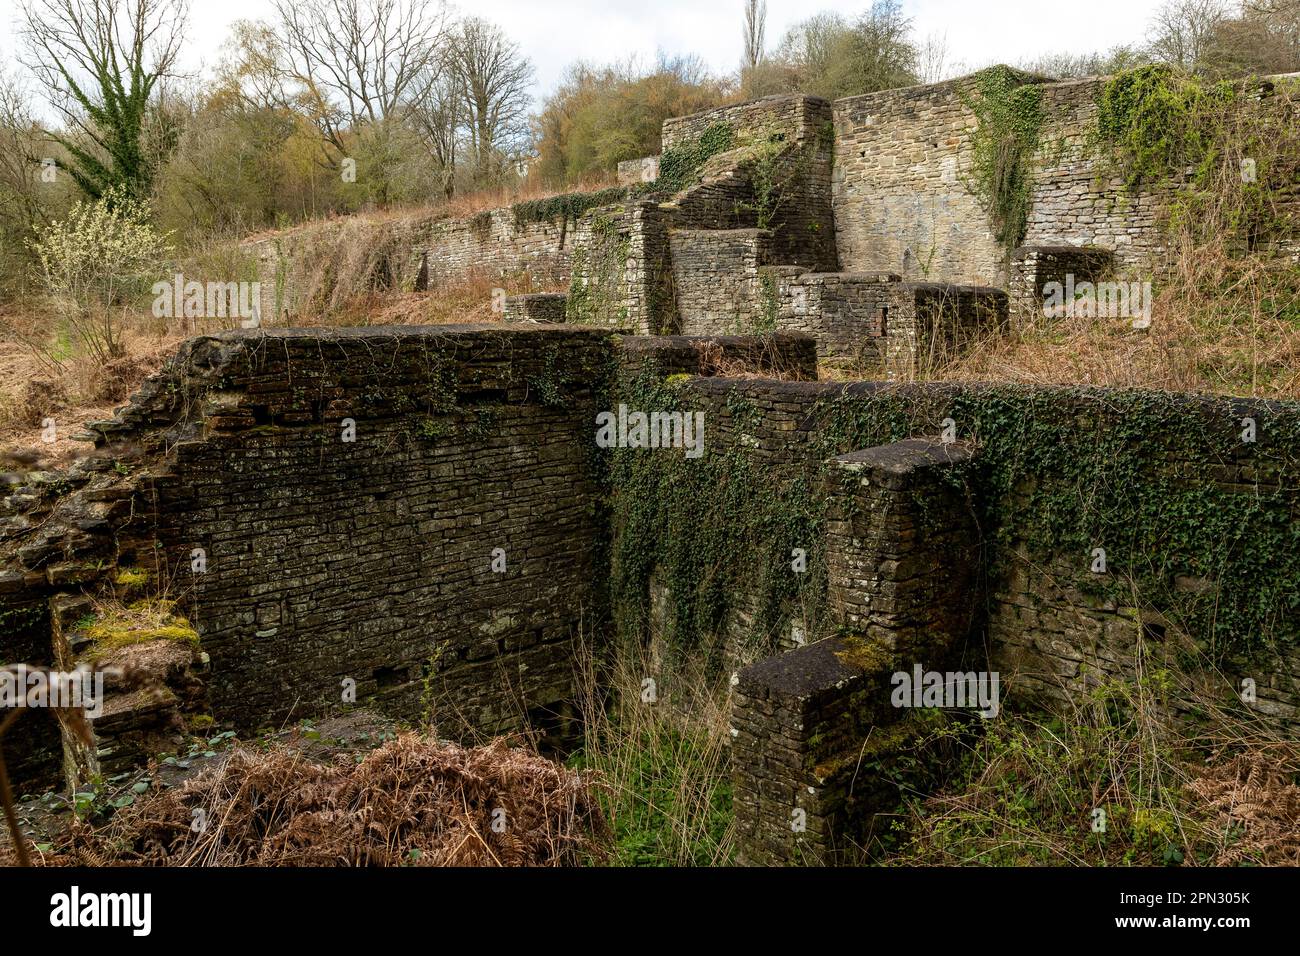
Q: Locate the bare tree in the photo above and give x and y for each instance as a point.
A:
(1182, 31)
(497, 79)
(1069, 65)
(18, 165)
(755, 32)
(1264, 39)
(252, 66)
(1281, 21)
(932, 58)
(101, 60)
(354, 62)
(438, 114)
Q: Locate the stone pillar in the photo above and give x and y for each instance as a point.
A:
(795, 718)
(902, 549)
(811, 727)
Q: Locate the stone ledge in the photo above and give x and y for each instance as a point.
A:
(803, 672)
(907, 456)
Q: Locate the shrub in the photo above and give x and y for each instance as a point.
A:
(102, 258)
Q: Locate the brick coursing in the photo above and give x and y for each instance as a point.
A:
(367, 560)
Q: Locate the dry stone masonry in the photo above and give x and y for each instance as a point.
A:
(423, 520)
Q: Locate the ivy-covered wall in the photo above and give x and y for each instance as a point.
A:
(945, 182)
(1199, 527)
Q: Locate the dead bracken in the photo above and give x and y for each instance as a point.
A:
(411, 802)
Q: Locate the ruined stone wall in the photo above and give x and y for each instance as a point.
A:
(632, 172)
(790, 356)
(1160, 473)
(350, 490)
(903, 201)
(901, 204)
(372, 559)
(794, 132)
(1033, 268)
(1074, 200)
(716, 278)
(326, 264)
(543, 307)
(622, 270)
(877, 324)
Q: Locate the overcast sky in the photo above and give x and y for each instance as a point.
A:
(554, 33)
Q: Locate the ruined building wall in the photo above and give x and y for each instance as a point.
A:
(370, 560)
(622, 269)
(902, 158)
(1074, 201)
(1190, 519)
(1165, 476)
(328, 263)
(802, 222)
(373, 559)
(903, 201)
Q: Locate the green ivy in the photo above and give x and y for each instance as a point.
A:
(565, 208)
(1009, 118)
(1151, 120)
(596, 274)
(680, 164)
(1059, 473)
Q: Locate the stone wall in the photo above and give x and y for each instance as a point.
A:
(902, 557)
(326, 264)
(1176, 451)
(880, 326)
(789, 356)
(622, 269)
(716, 278)
(794, 132)
(1074, 201)
(542, 307)
(1034, 267)
(350, 490)
(902, 161)
(1193, 521)
(410, 515)
(903, 201)
(632, 172)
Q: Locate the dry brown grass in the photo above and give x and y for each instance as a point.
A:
(1219, 325)
(411, 802)
(468, 300)
(41, 378)
(461, 206)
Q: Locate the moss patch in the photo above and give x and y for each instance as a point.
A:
(116, 626)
